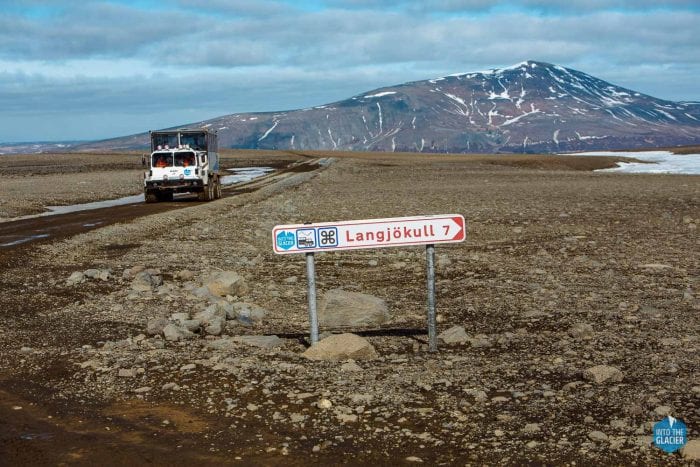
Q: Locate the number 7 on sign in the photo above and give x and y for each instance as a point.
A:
(447, 228)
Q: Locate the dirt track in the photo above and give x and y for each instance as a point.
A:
(548, 250)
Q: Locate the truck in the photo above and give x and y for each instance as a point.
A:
(185, 160)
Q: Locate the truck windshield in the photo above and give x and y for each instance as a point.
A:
(162, 159)
(184, 159)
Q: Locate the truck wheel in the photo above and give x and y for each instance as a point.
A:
(202, 195)
(218, 189)
(151, 197)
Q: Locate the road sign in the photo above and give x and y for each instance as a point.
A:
(369, 233)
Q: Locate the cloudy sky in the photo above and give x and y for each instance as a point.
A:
(79, 69)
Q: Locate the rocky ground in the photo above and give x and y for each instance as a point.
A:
(568, 320)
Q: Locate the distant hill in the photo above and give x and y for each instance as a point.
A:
(529, 107)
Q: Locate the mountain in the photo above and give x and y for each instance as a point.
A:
(529, 107)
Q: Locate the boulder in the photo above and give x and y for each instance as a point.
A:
(225, 283)
(454, 335)
(341, 347)
(603, 373)
(341, 309)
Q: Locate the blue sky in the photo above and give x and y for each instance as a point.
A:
(76, 69)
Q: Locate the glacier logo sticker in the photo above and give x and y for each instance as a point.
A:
(286, 240)
(670, 434)
(187, 172)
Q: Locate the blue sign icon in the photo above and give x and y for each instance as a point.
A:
(306, 238)
(328, 236)
(285, 240)
(187, 171)
(670, 434)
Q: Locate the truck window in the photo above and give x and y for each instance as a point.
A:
(162, 159)
(184, 159)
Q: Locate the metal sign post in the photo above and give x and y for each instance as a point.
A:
(432, 324)
(311, 293)
(370, 233)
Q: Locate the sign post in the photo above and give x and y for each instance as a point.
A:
(311, 294)
(432, 319)
(370, 233)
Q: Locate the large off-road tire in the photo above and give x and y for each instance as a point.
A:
(217, 189)
(202, 195)
(151, 197)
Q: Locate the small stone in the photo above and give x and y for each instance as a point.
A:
(454, 335)
(264, 342)
(76, 278)
(155, 326)
(173, 332)
(142, 390)
(252, 407)
(691, 451)
(597, 436)
(346, 418)
(663, 411)
(324, 404)
(531, 428)
(26, 350)
(350, 366)
(225, 283)
(188, 367)
(603, 373)
(414, 459)
(532, 444)
(127, 372)
(581, 331)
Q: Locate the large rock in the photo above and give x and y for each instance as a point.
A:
(341, 309)
(603, 373)
(341, 347)
(226, 283)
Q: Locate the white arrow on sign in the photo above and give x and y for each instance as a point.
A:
(369, 233)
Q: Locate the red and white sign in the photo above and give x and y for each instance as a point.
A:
(369, 233)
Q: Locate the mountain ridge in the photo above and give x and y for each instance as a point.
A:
(528, 107)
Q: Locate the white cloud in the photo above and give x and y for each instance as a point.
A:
(233, 56)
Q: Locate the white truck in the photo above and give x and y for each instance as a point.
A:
(183, 161)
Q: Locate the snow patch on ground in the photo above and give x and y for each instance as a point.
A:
(380, 94)
(655, 162)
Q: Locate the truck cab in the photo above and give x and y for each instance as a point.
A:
(182, 161)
